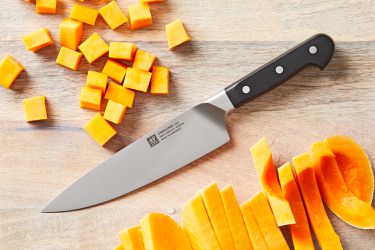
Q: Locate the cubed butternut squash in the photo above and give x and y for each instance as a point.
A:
(93, 48)
(99, 129)
(118, 93)
(197, 225)
(265, 169)
(37, 40)
(119, 247)
(112, 15)
(132, 238)
(137, 79)
(143, 60)
(71, 32)
(114, 112)
(69, 58)
(215, 210)
(90, 98)
(122, 51)
(319, 221)
(161, 232)
(45, 6)
(35, 108)
(139, 16)
(160, 80)
(84, 14)
(9, 71)
(300, 232)
(176, 34)
(236, 223)
(96, 80)
(115, 70)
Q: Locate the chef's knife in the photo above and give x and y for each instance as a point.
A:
(188, 136)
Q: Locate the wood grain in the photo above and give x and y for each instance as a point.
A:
(230, 38)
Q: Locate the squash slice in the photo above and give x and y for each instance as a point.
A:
(354, 166)
(339, 199)
(319, 221)
(131, 238)
(300, 232)
(265, 168)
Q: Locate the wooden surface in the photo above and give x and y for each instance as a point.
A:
(230, 38)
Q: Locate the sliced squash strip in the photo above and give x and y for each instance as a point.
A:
(319, 221)
(131, 238)
(300, 232)
(339, 199)
(265, 168)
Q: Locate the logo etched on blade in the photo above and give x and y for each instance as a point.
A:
(153, 140)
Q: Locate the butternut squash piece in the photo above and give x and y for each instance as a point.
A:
(37, 40)
(143, 60)
(113, 15)
(339, 199)
(265, 169)
(119, 247)
(93, 48)
(354, 166)
(69, 58)
(90, 98)
(9, 71)
(255, 234)
(122, 51)
(84, 14)
(35, 108)
(236, 223)
(45, 6)
(319, 221)
(132, 238)
(115, 70)
(160, 232)
(267, 224)
(215, 210)
(160, 80)
(176, 34)
(300, 232)
(118, 93)
(97, 80)
(100, 130)
(197, 225)
(137, 79)
(114, 112)
(71, 32)
(139, 16)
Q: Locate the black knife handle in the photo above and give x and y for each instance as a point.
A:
(317, 50)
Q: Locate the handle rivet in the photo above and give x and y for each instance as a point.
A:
(279, 69)
(313, 50)
(245, 89)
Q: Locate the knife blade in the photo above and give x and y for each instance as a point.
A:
(189, 136)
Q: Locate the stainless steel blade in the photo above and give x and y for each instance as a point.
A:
(177, 143)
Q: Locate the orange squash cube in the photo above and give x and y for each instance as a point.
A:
(160, 80)
(99, 129)
(69, 58)
(84, 14)
(139, 16)
(93, 48)
(115, 70)
(143, 60)
(176, 34)
(9, 71)
(119, 247)
(45, 6)
(37, 40)
(122, 51)
(90, 98)
(113, 15)
(118, 93)
(71, 32)
(114, 112)
(35, 108)
(96, 80)
(137, 79)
